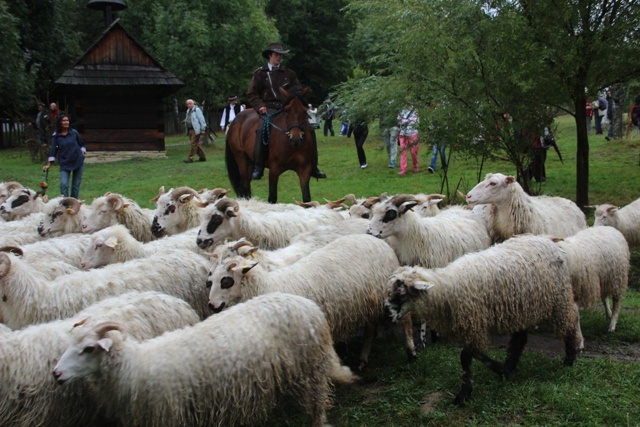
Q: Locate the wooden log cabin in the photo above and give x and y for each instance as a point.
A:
(114, 95)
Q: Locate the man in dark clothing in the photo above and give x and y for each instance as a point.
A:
(265, 97)
(229, 113)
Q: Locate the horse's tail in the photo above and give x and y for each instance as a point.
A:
(233, 171)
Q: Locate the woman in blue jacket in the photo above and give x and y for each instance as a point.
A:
(68, 146)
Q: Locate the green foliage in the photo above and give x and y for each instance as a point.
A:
(15, 84)
(317, 33)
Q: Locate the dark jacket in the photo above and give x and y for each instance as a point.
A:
(68, 149)
(264, 87)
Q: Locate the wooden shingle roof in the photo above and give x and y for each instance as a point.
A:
(117, 59)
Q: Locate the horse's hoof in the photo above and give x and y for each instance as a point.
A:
(319, 174)
(256, 176)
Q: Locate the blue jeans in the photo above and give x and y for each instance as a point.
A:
(75, 183)
(434, 156)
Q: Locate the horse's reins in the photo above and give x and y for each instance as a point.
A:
(266, 129)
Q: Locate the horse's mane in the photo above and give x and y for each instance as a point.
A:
(296, 91)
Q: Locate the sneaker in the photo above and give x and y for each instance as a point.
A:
(392, 165)
(431, 170)
(607, 138)
(401, 173)
(202, 160)
(188, 161)
(363, 166)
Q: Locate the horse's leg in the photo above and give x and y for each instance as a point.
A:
(274, 176)
(304, 175)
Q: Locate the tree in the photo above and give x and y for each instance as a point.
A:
(586, 46)
(15, 85)
(453, 54)
(317, 32)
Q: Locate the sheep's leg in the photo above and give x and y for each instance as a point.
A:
(607, 307)
(579, 335)
(409, 345)
(494, 365)
(617, 306)
(367, 343)
(466, 357)
(514, 350)
(570, 339)
(422, 343)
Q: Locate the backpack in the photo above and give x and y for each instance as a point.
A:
(602, 104)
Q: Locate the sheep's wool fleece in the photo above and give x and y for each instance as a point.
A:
(509, 287)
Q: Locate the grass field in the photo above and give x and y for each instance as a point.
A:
(602, 388)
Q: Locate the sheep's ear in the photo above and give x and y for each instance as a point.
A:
(612, 209)
(422, 285)
(111, 242)
(81, 322)
(105, 344)
(231, 211)
(510, 179)
(247, 265)
(407, 206)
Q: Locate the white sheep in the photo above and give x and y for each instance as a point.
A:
(598, 259)
(62, 215)
(269, 230)
(213, 373)
(508, 288)
(177, 211)
(27, 357)
(427, 204)
(112, 209)
(54, 257)
(116, 244)
(428, 242)
(626, 219)
(22, 231)
(6, 188)
(350, 293)
(21, 203)
(28, 299)
(515, 212)
(300, 246)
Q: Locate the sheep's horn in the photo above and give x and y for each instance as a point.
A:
(160, 193)
(351, 198)
(13, 250)
(71, 204)
(462, 195)
(116, 201)
(105, 327)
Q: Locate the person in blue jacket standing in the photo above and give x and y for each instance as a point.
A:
(68, 147)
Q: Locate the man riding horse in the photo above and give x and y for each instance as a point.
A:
(266, 98)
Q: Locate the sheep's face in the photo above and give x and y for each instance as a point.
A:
(397, 297)
(100, 216)
(170, 216)
(82, 358)
(385, 216)
(402, 288)
(217, 225)
(56, 215)
(20, 203)
(494, 189)
(225, 282)
(605, 215)
(100, 252)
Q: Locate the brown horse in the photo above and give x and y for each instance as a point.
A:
(290, 145)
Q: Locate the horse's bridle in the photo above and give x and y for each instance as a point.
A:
(290, 126)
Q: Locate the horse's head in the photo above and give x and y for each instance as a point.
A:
(295, 109)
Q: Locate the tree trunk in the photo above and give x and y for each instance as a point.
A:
(582, 155)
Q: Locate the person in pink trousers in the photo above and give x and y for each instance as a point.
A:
(408, 138)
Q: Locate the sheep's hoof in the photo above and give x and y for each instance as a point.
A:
(412, 355)
(362, 365)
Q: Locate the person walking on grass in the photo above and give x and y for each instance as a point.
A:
(196, 127)
(69, 148)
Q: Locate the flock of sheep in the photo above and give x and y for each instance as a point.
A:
(209, 310)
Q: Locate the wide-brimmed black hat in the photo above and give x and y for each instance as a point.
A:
(274, 47)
